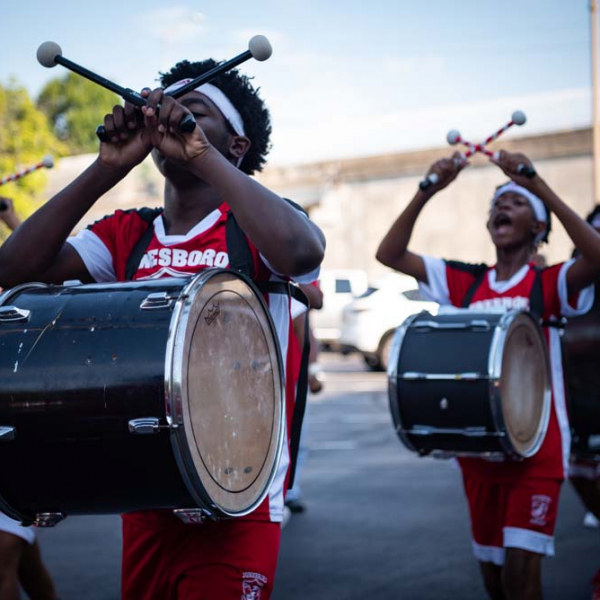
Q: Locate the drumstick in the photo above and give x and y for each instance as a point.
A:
(47, 162)
(49, 54)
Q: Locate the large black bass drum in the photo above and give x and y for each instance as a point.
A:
(156, 394)
(581, 358)
(470, 383)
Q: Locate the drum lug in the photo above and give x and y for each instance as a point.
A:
(195, 516)
(156, 301)
(7, 433)
(145, 425)
(13, 314)
(49, 519)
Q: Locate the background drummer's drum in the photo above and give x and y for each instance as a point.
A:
(466, 382)
(165, 393)
(581, 357)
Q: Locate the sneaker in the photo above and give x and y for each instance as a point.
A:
(590, 521)
(295, 506)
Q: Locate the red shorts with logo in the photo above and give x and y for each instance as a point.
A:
(519, 514)
(165, 559)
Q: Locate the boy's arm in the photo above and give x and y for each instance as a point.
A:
(586, 269)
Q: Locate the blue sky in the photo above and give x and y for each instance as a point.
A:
(346, 78)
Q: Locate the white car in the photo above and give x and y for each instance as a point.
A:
(339, 287)
(369, 322)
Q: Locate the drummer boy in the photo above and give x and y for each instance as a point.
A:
(207, 176)
(513, 504)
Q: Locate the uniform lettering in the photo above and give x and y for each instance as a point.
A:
(180, 258)
(502, 303)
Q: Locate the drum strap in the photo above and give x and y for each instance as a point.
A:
(133, 262)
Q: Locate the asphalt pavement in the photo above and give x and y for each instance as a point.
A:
(380, 523)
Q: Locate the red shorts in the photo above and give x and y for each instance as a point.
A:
(520, 514)
(165, 559)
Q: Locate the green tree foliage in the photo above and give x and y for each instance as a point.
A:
(75, 107)
(25, 137)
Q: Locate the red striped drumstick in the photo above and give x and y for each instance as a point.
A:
(47, 162)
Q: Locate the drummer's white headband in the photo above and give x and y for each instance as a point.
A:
(219, 99)
(538, 207)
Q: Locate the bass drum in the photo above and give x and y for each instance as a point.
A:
(581, 355)
(157, 394)
(470, 383)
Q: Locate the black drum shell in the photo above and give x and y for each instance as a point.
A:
(72, 378)
(437, 351)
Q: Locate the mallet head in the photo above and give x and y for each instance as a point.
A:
(518, 117)
(453, 137)
(48, 161)
(47, 52)
(260, 48)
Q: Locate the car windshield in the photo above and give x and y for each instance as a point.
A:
(368, 292)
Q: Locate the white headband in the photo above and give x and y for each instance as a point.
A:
(219, 99)
(538, 207)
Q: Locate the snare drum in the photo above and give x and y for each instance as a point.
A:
(156, 394)
(470, 383)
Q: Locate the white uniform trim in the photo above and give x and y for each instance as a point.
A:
(503, 286)
(584, 300)
(436, 288)
(200, 227)
(95, 256)
(13, 527)
(534, 541)
(489, 554)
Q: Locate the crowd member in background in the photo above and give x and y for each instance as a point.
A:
(20, 557)
(513, 504)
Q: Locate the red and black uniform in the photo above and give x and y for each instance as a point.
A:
(514, 503)
(162, 557)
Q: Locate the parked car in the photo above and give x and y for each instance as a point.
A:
(339, 287)
(369, 322)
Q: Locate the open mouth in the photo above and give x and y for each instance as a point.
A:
(501, 220)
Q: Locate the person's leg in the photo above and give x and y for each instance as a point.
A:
(492, 580)
(487, 502)
(231, 560)
(33, 575)
(589, 492)
(522, 575)
(11, 550)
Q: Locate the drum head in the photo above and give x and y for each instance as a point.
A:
(524, 385)
(231, 393)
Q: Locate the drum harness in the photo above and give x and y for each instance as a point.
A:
(536, 295)
(241, 261)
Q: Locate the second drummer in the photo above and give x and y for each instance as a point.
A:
(513, 504)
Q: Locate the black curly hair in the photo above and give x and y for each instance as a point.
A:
(246, 99)
(544, 240)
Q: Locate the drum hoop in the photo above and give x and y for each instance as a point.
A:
(12, 292)
(392, 374)
(174, 385)
(494, 374)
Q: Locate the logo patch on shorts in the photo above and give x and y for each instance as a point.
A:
(540, 505)
(252, 586)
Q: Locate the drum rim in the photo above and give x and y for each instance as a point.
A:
(173, 386)
(494, 376)
(392, 374)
